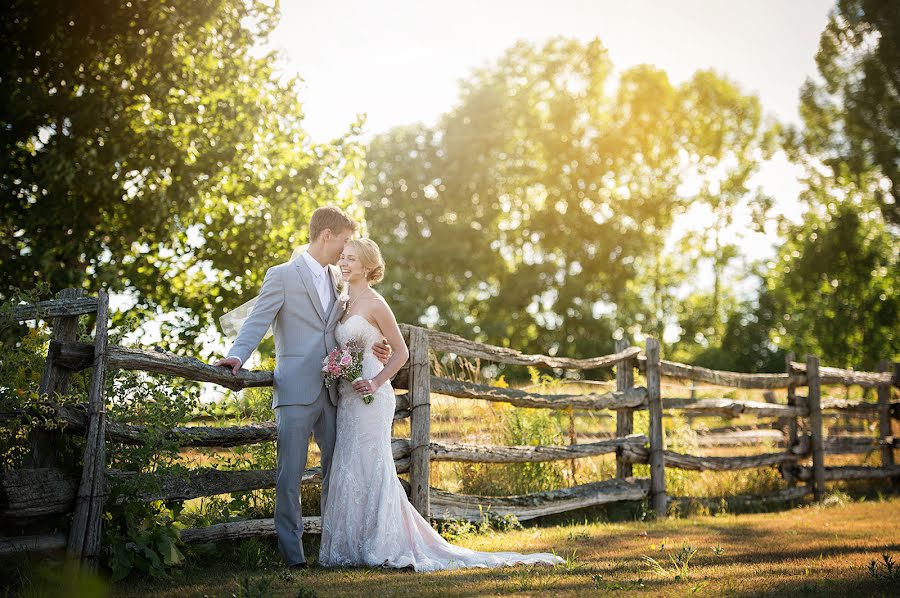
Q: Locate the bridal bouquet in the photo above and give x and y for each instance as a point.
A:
(345, 361)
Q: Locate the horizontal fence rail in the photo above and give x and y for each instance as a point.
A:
(672, 369)
(451, 343)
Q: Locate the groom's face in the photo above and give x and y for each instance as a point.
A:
(334, 243)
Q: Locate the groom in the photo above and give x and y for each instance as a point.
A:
(299, 300)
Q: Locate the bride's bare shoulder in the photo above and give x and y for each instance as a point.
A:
(381, 311)
(378, 298)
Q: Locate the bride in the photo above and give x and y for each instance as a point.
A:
(367, 519)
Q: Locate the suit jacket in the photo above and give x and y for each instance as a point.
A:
(304, 333)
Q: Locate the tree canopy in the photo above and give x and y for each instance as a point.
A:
(532, 213)
(150, 147)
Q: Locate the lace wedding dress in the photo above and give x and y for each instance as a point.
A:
(367, 519)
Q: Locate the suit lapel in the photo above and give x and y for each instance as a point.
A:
(336, 305)
(306, 277)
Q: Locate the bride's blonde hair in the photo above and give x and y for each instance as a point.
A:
(370, 258)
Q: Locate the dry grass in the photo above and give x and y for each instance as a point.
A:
(810, 551)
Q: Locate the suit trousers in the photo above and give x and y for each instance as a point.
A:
(294, 424)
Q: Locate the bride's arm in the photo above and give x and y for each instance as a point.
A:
(386, 321)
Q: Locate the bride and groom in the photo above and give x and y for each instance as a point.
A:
(367, 519)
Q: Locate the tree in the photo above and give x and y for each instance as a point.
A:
(835, 288)
(727, 140)
(147, 147)
(523, 216)
(834, 285)
(852, 114)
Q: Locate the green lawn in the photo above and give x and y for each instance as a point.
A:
(819, 550)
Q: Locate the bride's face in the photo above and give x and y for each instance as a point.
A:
(350, 265)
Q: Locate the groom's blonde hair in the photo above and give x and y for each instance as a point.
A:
(370, 258)
(330, 217)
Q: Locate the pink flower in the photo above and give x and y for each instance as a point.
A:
(346, 359)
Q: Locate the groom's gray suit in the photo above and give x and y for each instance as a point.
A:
(304, 334)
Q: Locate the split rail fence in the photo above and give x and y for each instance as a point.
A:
(43, 489)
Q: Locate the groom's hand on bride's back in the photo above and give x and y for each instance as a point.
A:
(232, 362)
(382, 350)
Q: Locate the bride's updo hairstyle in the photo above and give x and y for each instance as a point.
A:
(370, 258)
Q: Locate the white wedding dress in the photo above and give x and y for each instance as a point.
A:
(367, 519)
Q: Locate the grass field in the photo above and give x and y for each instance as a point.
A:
(818, 550)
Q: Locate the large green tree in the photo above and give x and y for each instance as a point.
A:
(726, 139)
(526, 215)
(151, 147)
(833, 286)
(851, 112)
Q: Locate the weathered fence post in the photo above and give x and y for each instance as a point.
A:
(884, 418)
(787, 470)
(654, 397)
(55, 380)
(814, 401)
(573, 439)
(624, 417)
(85, 533)
(419, 420)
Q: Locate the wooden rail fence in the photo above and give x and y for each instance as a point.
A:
(43, 489)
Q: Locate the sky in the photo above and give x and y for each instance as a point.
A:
(399, 61)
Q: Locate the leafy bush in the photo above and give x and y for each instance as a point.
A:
(142, 537)
(22, 360)
(139, 536)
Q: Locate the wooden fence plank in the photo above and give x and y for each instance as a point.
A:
(733, 407)
(448, 505)
(473, 453)
(700, 463)
(36, 543)
(77, 356)
(73, 420)
(829, 375)
(884, 418)
(850, 472)
(815, 425)
(451, 343)
(634, 398)
(672, 369)
(66, 305)
(85, 533)
(55, 380)
(419, 420)
(657, 442)
(530, 506)
(624, 418)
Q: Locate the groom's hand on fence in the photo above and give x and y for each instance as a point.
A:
(233, 362)
(382, 350)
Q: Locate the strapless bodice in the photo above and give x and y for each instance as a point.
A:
(367, 334)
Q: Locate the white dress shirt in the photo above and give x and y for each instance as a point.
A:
(322, 279)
